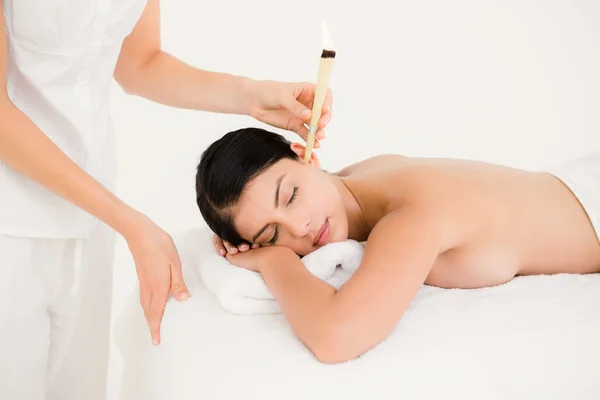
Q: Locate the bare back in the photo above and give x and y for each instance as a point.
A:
(501, 222)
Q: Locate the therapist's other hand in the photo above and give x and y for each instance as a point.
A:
(223, 247)
(158, 268)
(288, 106)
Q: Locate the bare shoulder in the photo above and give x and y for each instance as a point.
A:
(373, 164)
(449, 193)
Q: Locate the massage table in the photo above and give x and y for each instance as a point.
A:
(536, 337)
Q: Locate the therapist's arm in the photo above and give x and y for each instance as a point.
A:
(144, 70)
(27, 150)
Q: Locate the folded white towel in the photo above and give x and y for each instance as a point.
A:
(582, 177)
(244, 292)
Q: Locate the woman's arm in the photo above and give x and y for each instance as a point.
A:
(340, 325)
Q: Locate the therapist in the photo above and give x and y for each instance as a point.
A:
(58, 215)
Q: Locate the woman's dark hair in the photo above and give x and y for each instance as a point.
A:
(225, 169)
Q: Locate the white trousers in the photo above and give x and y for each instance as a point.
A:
(55, 302)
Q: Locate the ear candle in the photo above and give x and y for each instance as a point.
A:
(325, 66)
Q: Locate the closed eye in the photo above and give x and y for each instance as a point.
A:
(275, 236)
(273, 240)
(294, 193)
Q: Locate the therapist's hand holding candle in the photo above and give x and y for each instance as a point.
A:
(289, 106)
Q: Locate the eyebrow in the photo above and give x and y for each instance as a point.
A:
(277, 189)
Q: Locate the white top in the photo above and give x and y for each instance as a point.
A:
(61, 59)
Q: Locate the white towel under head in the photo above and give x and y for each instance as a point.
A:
(241, 291)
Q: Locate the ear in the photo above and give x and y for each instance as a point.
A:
(300, 150)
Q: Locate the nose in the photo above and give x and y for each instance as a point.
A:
(299, 225)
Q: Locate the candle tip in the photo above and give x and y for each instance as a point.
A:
(327, 41)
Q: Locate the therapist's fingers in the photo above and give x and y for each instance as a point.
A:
(145, 303)
(321, 131)
(158, 300)
(302, 130)
(304, 135)
(178, 287)
(299, 126)
(300, 111)
(326, 114)
(319, 135)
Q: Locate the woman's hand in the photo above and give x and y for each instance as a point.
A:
(223, 247)
(289, 106)
(158, 268)
(256, 259)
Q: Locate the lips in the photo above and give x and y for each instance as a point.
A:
(322, 234)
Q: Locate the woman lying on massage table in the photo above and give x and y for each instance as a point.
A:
(446, 223)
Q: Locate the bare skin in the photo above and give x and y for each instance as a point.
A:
(446, 223)
(504, 222)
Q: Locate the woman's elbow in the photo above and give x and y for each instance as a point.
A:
(334, 345)
(329, 356)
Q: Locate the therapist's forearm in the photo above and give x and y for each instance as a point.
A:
(26, 149)
(167, 80)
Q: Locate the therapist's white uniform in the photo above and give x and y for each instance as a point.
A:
(55, 259)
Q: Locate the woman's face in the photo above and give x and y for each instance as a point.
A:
(292, 204)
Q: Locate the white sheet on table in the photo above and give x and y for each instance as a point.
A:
(533, 338)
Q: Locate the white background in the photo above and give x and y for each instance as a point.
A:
(514, 82)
